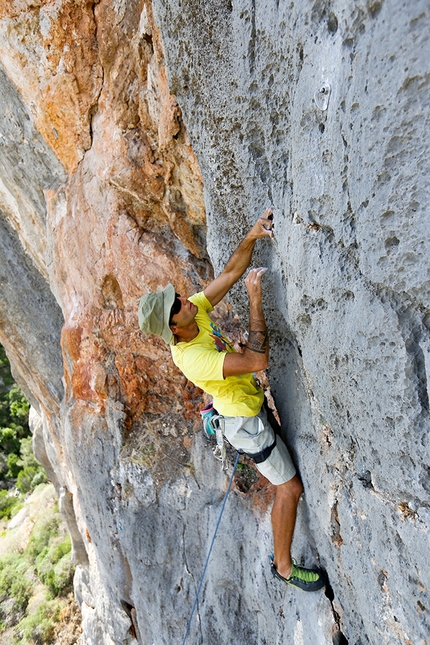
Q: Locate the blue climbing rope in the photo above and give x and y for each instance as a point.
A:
(210, 548)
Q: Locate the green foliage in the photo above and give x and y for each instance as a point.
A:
(7, 502)
(46, 561)
(17, 461)
(14, 409)
(19, 407)
(15, 585)
(45, 529)
(6, 380)
(50, 551)
(39, 478)
(39, 628)
(27, 455)
(30, 472)
(47, 558)
(14, 428)
(13, 466)
(9, 440)
(59, 579)
(18, 505)
(25, 479)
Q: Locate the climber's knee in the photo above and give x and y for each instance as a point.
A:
(292, 488)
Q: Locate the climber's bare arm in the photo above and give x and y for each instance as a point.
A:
(255, 356)
(240, 260)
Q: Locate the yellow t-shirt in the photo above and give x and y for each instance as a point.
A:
(201, 361)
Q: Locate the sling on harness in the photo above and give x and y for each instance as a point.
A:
(208, 413)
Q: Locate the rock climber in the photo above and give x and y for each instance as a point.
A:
(206, 358)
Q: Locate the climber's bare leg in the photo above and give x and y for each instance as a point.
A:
(283, 521)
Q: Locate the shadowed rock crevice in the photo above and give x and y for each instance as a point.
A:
(79, 553)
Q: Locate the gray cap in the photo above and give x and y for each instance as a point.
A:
(154, 312)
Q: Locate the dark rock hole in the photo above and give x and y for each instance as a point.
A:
(375, 8)
(366, 479)
(339, 639)
(392, 242)
(332, 23)
(131, 612)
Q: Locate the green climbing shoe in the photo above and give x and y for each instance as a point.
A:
(305, 579)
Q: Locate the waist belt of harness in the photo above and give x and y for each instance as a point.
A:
(261, 456)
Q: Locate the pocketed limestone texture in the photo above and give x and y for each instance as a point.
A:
(114, 115)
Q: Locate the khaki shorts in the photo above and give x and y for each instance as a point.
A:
(254, 434)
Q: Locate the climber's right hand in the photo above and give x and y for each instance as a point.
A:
(253, 282)
(263, 226)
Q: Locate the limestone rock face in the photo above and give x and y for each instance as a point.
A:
(320, 109)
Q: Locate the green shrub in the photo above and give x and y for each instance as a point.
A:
(38, 628)
(30, 473)
(60, 579)
(20, 591)
(6, 379)
(45, 529)
(25, 478)
(61, 549)
(3, 464)
(15, 583)
(54, 567)
(29, 478)
(18, 505)
(18, 404)
(9, 440)
(27, 454)
(7, 503)
(39, 478)
(45, 565)
(14, 409)
(13, 466)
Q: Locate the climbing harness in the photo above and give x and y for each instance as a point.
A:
(259, 457)
(210, 548)
(212, 426)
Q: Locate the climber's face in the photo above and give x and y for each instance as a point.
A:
(182, 313)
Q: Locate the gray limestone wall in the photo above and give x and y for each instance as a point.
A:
(30, 317)
(321, 109)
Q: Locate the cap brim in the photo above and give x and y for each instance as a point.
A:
(169, 295)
